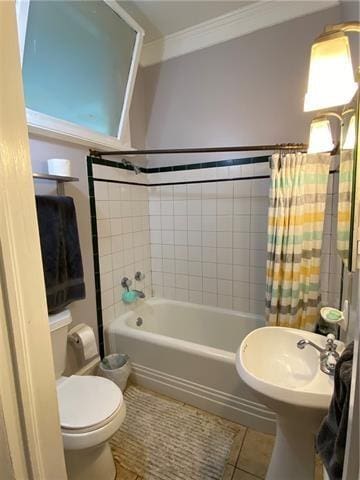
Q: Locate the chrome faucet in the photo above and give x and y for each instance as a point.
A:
(328, 355)
(139, 293)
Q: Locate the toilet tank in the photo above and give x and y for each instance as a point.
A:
(59, 326)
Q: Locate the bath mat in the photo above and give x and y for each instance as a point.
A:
(163, 439)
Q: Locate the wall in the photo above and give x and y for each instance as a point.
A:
(122, 222)
(249, 90)
(208, 240)
(41, 149)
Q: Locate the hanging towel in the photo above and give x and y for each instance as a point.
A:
(331, 439)
(60, 248)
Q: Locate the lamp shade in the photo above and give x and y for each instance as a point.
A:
(320, 139)
(331, 77)
(349, 143)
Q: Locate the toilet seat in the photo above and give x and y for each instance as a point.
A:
(87, 403)
(91, 410)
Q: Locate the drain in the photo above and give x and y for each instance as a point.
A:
(139, 322)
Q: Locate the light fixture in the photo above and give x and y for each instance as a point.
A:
(331, 77)
(349, 143)
(320, 138)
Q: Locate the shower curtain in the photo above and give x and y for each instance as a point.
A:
(295, 230)
(344, 204)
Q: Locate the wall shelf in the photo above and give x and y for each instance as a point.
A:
(59, 179)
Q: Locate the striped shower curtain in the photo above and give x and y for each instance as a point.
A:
(344, 204)
(295, 230)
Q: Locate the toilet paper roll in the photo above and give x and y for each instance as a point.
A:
(84, 338)
(59, 166)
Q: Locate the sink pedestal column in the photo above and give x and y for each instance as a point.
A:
(294, 451)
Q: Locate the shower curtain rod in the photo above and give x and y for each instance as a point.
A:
(249, 148)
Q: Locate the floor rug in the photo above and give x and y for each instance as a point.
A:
(163, 439)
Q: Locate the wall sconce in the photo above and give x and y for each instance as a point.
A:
(349, 143)
(320, 138)
(331, 77)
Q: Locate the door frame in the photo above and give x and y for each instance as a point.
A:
(30, 433)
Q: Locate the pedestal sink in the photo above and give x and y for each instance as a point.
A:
(289, 381)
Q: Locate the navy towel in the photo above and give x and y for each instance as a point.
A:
(60, 248)
(331, 439)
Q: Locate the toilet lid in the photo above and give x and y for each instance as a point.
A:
(85, 401)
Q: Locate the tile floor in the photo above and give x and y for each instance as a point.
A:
(248, 460)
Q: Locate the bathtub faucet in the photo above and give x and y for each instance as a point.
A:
(139, 293)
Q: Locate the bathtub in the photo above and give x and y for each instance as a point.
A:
(187, 351)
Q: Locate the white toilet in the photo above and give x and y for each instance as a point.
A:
(91, 410)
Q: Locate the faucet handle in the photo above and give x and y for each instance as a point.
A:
(139, 276)
(330, 342)
(126, 283)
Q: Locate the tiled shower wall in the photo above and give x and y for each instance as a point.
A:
(122, 217)
(198, 242)
(208, 242)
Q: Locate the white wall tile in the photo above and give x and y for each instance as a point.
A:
(224, 271)
(101, 191)
(224, 223)
(180, 222)
(224, 255)
(167, 222)
(194, 222)
(103, 228)
(168, 265)
(242, 206)
(241, 256)
(194, 206)
(224, 240)
(210, 285)
(194, 238)
(225, 301)
(195, 268)
(104, 246)
(168, 251)
(242, 188)
(208, 206)
(181, 295)
(209, 254)
(225, 190)
(156, 251)
(241, 223)
(209, 269)
(167, 237)
(181, 281)
(181, 267)
(194, 253)
(208, 223)
(181, 252)
(181, 237)
(195, 283)
(209, 239)
(195, 297)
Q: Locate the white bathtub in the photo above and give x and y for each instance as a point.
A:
(187, 351)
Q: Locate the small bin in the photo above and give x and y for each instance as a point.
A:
(116, 367)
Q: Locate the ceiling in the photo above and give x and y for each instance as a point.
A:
(160, 18)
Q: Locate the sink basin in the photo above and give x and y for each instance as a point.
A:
(289, 381)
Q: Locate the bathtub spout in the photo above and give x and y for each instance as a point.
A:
(139, 293)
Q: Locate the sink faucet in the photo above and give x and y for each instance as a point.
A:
(328, 355)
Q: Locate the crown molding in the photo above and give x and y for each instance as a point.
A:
(234, 24)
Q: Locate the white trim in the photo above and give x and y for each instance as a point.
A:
(226, 27)
(49, 126)
(231, 407)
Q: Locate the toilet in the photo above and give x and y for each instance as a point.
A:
(91, 410)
